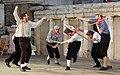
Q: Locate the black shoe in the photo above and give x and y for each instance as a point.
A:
(57, 63)
(67, 68)
(103, 68)
(74, 60)
(7, 63)
(48, 61)
(27, 68)
(109, 67)
(96, 66)
(23, 69)
(16, 64)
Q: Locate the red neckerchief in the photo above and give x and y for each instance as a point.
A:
(99, 20)
(24, 21)
(56, 34)
(73, 33)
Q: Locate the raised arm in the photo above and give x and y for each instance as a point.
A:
(83, 19)
(15, 14)
(67, 26)
(38, 23)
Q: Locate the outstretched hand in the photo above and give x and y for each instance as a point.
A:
(16, 6)
(63, 42)
(77, 18)
(45, 17)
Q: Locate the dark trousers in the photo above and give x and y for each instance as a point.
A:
(73, 49)
(95, 53)
(104, 44)
(25, 49)
(15, 56)
(53, 51)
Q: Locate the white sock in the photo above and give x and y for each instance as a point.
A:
(56, 60)
(22, 65)
(25, 64)
(68, 63)
(48, 57)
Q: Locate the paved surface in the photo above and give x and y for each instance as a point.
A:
(39, 67)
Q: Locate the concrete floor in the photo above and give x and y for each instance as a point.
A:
(39, 66)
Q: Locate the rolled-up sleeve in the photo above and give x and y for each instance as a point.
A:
(92, 20)
(36, 24)
(73, 38)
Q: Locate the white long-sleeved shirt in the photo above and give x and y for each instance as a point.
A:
(97, 37)
(75, 37)
(24, 29)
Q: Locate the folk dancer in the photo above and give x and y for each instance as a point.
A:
(23, 31)
(53, 35)
(95, 52)
(74, 44)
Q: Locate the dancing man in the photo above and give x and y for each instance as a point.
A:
(74, 45)
(23, 31)
(53, 35)
(95, 52)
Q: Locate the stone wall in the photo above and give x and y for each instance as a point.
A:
(110, 9)
(9, 8)
(2, 17)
